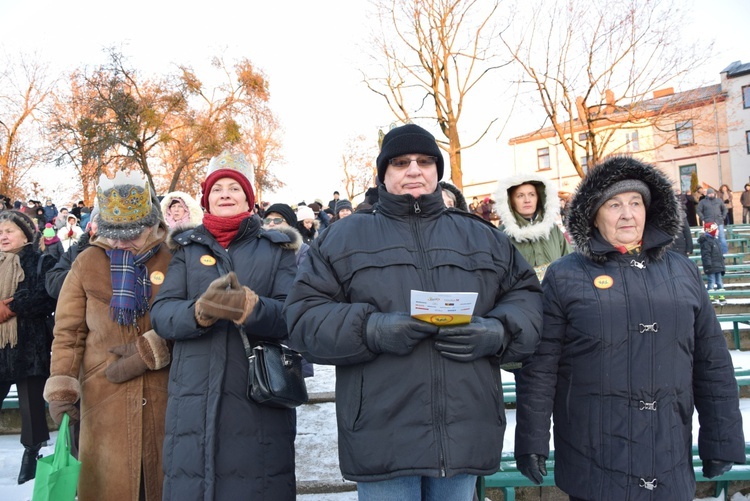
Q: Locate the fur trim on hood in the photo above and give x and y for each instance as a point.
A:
(663, 214)
(294, 237)
(172, 244)
(194, 208)
(548, 203)
(460, 199)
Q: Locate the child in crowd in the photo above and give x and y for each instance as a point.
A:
(712, 259)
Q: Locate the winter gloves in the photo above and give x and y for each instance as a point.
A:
(533, 467)
(715, 467)
(225, 298)
(62, 393)
(147, 352)
(396, 333)
(399, 333)
(463, 343)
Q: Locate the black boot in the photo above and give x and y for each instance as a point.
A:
(28, 463)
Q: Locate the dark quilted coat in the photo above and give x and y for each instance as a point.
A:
(420, 414)
(220, 445)
(630, 346)
(32, 305)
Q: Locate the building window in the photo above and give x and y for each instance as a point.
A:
(746, 96)
(582, 136)
(686, 176)
(632, 141)
(684, 133)
(747, 141)
(542, 158)
(585, 164)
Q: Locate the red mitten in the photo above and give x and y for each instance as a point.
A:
(70, 232)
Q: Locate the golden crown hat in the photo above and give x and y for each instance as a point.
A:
(232, 160)
(126, 205)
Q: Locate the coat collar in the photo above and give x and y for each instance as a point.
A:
(407, 206)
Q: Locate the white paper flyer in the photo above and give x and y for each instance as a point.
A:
(443, 308)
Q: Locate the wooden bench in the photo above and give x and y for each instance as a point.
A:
(735, 257)
(736, 319)
(508, 478)
(11, 401)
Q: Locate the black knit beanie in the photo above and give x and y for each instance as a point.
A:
(284, 211)
(407, 139)
(343, 204)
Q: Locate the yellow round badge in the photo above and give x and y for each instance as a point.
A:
(603, 282)
(441, 319)
(207, 260)
(157, 278)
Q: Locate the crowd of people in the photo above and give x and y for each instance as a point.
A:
(129, 317)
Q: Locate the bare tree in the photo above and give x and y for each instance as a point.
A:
(358, 166)
(434, 53)
(70, 132)
(262, 147)
(595, 65)
(24, 86)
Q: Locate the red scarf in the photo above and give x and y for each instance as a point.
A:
(224, 229)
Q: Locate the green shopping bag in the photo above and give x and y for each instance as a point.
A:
(57, 475)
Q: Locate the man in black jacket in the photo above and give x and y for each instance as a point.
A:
(419, 405)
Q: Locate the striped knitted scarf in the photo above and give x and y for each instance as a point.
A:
(131, 287)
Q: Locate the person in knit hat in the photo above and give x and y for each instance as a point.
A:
(228, 280)
(24, 335)
(50, 243)
(307, 225)
(410, 423)
(343, 209)
(110, 368)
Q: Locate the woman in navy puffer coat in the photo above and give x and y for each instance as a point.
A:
(630, 347)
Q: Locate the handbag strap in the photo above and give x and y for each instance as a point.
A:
(243, 334)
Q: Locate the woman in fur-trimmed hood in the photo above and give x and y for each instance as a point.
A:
(528, 208)
(181, 209)
(630, 347)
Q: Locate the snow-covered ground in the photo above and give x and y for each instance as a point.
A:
(317, 457)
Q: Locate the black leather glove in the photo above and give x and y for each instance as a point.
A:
(533, 467)
(463, 343)
(396, 333)
(715, 467)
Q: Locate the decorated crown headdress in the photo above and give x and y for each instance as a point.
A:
(232, 160)
(126, 205)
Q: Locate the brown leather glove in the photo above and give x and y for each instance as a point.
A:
(251, 299)
(130, 364)
(224, 298)
(5, 312)
(57, 408)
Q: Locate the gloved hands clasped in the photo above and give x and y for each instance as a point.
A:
(533, 467)
(715, 467)
(396, 333)
(147, 352)
(225, 298)
(482, 337)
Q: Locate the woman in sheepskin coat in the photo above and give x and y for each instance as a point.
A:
(528, 208)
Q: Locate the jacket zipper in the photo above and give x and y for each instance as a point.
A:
(438, 411)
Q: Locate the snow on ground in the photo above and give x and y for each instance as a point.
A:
(317, 456)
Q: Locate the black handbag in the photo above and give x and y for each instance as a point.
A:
(274, 375)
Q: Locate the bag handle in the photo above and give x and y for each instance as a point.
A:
(243, 334)
(61, 457)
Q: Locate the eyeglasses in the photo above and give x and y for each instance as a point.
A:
(406, 161)
(274, 220)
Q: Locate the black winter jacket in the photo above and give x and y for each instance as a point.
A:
(219, 444)
(419, 414)
(712, 259)
(32, 305)
(630, 347)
